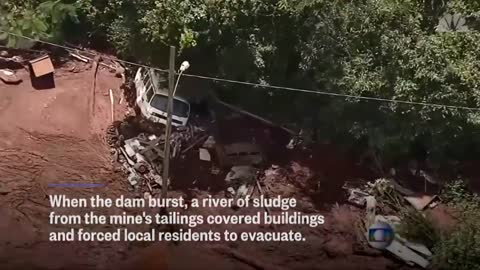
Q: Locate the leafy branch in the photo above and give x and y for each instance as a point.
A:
(43, 21)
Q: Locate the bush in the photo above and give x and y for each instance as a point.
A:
(35, 19)
(457, 249)
(417, 227)
(457, 195)
(460, 250)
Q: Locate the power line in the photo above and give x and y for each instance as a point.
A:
(426, 104)
(334, 94)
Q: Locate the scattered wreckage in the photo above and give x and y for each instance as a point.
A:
(408, 251)
(141, 156)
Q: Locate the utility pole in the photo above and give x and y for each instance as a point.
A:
(168, 128)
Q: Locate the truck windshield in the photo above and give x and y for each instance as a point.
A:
(180, 108)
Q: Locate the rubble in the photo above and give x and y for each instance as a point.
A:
(243, 153)
(13, 62)
(142, 155)
(239, 179)
(357, 197)
(113, 137)
(202, 138)
(204, 154)
(410, 252)
(295, 142)
(209, 143)
(8, 76)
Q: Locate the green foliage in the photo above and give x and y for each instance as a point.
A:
(455, 192)
(453, 248)
(467, 7)
(238, 34)
(417, 227)
(414, 225)
(457, 195)
(382, 49)
(35, 19)
(137, 28)
(172, 20)
(459, 250)
(387, 49)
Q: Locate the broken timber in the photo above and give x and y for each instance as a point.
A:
(79, 57)
(112, 106)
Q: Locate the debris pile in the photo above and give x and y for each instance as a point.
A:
(383, 199)
(241, 155)
(141, 156)
(273, 178)
(240, 181)
(289, 181)
(12, 62)
(8, 76)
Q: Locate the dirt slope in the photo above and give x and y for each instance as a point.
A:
(47, 137)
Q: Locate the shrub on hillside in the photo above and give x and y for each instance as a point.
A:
(460, 249)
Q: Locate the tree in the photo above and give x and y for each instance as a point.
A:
(386, 49)
(383, 49)
(35, 19)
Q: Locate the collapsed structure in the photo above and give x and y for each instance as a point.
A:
(138, 143)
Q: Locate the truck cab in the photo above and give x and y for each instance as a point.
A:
(152, 99)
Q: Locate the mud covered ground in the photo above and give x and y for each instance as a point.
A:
(48, 137)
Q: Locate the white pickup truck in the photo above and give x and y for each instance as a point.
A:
(152, 99)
